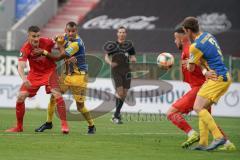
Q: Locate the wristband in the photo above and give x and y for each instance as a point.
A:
(45, 53)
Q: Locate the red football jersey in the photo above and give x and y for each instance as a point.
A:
(41, 67)
(195, 78)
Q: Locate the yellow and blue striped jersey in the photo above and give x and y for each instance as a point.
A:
(76, 48)
(206, 48)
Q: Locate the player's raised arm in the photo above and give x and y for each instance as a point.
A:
(72, 49)
(58, 57)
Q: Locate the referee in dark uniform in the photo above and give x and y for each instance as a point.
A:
(122, 53)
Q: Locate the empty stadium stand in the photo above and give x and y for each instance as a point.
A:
(73, 10)
(151, 23)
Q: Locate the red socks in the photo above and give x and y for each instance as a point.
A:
(61, 108)
(178, 120)
(20, 111)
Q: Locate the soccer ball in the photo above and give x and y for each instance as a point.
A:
(165, 60)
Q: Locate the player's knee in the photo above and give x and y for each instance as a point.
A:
(170, 112)
(121, 94)
(21, 97)
(124, 95)
(80, 106)
(197, 109)
(56, 95)
(52, 98)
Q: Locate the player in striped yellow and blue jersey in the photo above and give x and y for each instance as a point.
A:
(72, 50)
(206, 51)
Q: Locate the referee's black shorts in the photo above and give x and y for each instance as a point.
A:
(121, 79)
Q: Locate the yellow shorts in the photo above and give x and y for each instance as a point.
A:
(213, 90)
(77, 84)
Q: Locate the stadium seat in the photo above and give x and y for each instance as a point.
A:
(73, 10)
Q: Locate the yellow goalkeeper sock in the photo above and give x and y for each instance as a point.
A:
(87, 115)
(203, 131)
(206, 117)
(51, 107)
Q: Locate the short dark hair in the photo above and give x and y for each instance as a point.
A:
(71, 24)
(191, 23)
(34, 29)
(179, 29)
(122, 27)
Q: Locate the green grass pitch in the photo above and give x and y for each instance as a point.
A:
(136, 139)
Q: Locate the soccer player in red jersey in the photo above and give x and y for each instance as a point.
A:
(195, 79)
(185, 104)
(42, 73)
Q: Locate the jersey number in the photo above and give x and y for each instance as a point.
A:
(213, 42)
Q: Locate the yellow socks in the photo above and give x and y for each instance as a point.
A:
(87, 115)
(208, 120)
(51, 107)
(203, 131)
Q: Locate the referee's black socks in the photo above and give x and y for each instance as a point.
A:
(119, 104)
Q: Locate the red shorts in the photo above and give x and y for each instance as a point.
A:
(33, 90)
(51, 82)
(186, 102)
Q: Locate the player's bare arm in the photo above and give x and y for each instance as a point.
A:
(21, 66)
(58, 57)
(109, 61)
(72, 59)
(209, 74)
